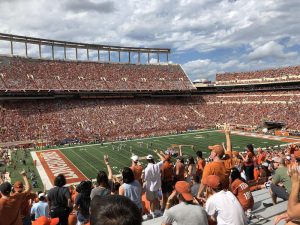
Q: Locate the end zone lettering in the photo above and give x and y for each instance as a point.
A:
(54, 163)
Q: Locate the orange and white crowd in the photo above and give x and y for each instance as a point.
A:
(54, 120)
(186, 189)
(22, 74)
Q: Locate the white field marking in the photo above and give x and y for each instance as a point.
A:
(42, 172)
(85, 161)
(111, 159)
(150, 138)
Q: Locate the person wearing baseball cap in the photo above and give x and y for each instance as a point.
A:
(18, 187)
(216, 167)
(280, 177)
(136, 168)
(40, 208)
(153, 183)
(10, 204)
(187, 211)
(222, 206)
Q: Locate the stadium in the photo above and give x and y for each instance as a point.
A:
(61, 115)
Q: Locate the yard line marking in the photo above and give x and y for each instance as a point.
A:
(149, 138)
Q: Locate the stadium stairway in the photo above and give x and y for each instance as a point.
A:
(261, 214)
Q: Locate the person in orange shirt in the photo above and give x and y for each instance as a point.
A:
(26, 204)
(216, 167)
(167, 179)
(137, 169)
(179, 169)
(200, 164)
(11, 204)
(241, 190)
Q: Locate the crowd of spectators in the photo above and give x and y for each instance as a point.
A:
(186, 190)
(291, 73)
(18, 74)
(109, 119)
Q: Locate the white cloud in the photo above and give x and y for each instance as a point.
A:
(270, 49)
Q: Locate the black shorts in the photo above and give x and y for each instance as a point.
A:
(280, 192)
(167, 186)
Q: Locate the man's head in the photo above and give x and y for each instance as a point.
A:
(114, 210)
(5, 188)
(184, 190)
(18, 186)
(179, 158)
(60, 180)
(213, 182)
(150, 158)
(42, 196)
(135, 158)
(277, 161)
(216, 151)
(102, 178)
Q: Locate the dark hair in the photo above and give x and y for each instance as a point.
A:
(191, 160)
(199, 154)
(127, 175)
(115, 187)
(250, 148)
(150, 161)
(196, 178)
(102, 179)
(84, 189)
(60, 180)
(236, 174)
(114, 210)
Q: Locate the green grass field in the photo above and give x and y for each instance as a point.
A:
(89, 159)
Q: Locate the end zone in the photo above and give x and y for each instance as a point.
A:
(51, 163)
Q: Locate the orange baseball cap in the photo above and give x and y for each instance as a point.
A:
(43, 220)
(184, 189)
(218, 149)
(212, 181)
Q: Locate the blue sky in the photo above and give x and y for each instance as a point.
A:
(206, 36)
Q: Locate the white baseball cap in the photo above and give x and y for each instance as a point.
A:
(41, 195)
(149, 157)
(134, 158)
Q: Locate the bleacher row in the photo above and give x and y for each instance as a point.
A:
(21, 74)
(111, 119)
(286, 74)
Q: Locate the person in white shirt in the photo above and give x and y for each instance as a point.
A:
(153, 183)
(222, 206)
(40, 208)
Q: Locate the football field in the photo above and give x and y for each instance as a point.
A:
(83, 161)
